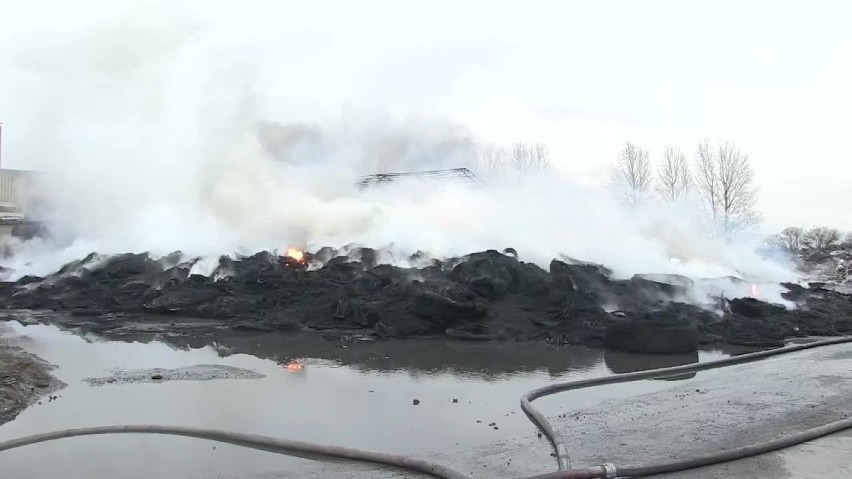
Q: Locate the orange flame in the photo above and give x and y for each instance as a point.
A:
(294, 367)
(296, 254)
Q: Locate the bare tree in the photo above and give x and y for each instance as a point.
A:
(540, 157)
(492, 159)
(792, 238)
(673, 177)
(525, 158)
(774, 242)
(822, 238)
(520, 157)
(631, 173)
(725, 180)
(521, 154)
(706, 178)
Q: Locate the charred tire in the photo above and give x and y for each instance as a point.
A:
(652, 337)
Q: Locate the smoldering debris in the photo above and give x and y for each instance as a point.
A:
(483, 296)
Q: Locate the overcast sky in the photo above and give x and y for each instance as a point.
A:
(774, 76)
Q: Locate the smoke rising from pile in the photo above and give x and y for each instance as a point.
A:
(170, 128)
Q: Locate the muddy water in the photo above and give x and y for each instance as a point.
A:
(348, 392)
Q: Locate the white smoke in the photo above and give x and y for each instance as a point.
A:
(166, 128)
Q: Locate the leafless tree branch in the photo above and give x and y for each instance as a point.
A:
(540, 157)
(492, 160)
(520, 157)
(530, 157)
(673, 177)
(631, 173)
(521, 154)
(725, 181)
(821, 238)
(792, 238)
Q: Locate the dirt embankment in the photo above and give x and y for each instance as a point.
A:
(24, 379)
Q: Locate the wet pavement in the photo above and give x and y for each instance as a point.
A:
(349, 392)
(718, 410)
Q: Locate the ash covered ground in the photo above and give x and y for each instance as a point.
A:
(483, 296)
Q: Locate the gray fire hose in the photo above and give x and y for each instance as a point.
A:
(610, 470)
(254, 441)
(283, 446)
(558, 441)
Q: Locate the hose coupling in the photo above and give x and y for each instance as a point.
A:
(610, 470)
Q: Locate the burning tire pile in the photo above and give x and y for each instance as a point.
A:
(484, 296)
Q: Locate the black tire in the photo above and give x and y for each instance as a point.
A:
(652, 337)
(620, 362)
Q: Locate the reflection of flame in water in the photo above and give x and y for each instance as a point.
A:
(296, 254)
(754, 292)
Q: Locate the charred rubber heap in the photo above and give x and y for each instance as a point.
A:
(483, 296)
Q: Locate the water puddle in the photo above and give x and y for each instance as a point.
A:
(343, 392)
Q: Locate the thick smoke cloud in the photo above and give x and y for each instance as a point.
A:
(168, 128)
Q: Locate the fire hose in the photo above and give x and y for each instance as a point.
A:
(608, 470)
